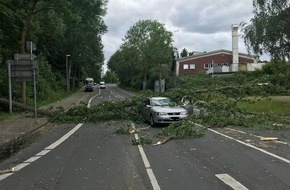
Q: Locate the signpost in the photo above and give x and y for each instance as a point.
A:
(23, 68)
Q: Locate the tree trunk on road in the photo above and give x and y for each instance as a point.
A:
(25, 107)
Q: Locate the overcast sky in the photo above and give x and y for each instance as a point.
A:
(197, 25)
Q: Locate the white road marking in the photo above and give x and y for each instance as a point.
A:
(32, 159)
(54, 145)
(42, 153)
(149, 170)
(125, 91)
(89, 103)
(252, 146)
(235, 130)
(114, 94)
(227, 179)
(20, 166)
(239, 131)
(3, 176)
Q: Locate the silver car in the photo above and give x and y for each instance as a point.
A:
(162, 110)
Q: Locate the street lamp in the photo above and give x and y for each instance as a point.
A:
(67, 73)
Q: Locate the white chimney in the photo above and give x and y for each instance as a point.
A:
(235, 47)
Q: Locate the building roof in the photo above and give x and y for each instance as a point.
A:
(206, 54)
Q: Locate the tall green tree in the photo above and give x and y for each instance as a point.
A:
(269, 30)
(153, 46)
(123, 63)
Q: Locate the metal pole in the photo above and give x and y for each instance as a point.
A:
(212, 62)
(67, 73)
(34, 86)
(10, 87)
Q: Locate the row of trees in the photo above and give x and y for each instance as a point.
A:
(59, 28)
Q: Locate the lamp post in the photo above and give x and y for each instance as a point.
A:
(67, 73)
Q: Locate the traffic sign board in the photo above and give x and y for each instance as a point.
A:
(24, 56)
(23, 70)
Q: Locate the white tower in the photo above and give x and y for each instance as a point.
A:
(235, 47)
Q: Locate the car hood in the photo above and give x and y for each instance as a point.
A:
(168, 109)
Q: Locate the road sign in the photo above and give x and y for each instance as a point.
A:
(23, 70)
(30, 46)
(24, 56)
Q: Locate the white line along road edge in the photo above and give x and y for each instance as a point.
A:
(42, 153)
(150, 173)
(252, 146)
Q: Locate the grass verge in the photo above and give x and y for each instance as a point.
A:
(278, 105)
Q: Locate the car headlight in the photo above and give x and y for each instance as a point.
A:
(183, 113)
(161, 113)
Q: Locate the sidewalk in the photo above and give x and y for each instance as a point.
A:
(15, 131)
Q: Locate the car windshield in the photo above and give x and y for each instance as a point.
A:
(162, 102)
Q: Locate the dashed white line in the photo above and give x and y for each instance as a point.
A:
(125, 91)
(227, 179)
(149, 170)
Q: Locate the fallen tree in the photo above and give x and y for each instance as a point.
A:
(22, 106)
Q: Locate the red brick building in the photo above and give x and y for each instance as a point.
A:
(204, 61)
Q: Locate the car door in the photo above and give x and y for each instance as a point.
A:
(146, 109)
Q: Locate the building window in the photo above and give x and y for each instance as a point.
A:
(206, 65)
(185, 66)
(192, 66)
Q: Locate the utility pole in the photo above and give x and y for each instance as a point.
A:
(67, 73)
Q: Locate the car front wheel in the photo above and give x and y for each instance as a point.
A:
(152, 122)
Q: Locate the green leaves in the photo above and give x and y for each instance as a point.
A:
(145, 55)
(269, 29)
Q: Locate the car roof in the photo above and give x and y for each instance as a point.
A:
(159, 98)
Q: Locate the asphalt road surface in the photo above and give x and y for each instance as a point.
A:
(93, 156)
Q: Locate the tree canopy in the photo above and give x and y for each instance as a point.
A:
(58, 28)
(184, 53)
(269, 30)
(145, 55)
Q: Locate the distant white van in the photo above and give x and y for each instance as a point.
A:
(102, 85)
(89, 84)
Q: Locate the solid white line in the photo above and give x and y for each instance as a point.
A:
(252, 146)
(32, 159)
(20, 166)
(239, 131)
(42, 153)
(89, 103)
(3, 176)
(149, 171)
(227, 179)
(63, 138)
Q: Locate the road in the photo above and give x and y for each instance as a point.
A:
(93, 156)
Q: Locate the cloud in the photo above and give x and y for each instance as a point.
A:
(200, 25)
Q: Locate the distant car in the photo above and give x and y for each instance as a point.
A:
(159, 110)
(102, 85)
(89, 84)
